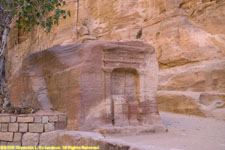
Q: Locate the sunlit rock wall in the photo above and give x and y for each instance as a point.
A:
(189, 37)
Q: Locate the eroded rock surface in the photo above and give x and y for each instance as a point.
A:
(88, 139)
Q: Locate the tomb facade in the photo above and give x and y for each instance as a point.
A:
(99, 85)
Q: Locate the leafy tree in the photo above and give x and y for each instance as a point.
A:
(28, 13)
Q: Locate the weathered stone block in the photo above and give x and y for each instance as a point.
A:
(53, 118)
(62, 118)
(30, 139)
(23, 127)
(60, 125)
(17, 137)
(118, 109)
(13, 127)
(4, 119)
(45, 119)
(6, 136)
(4, 127)
(3, 143)
(36, 127)
(25, 119)
(49, 138)
(37, 120)
(13, 119)
(14, 144)
(49, 127)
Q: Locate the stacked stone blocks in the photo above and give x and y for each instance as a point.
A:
(25, 130)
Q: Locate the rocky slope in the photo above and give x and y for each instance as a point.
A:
(189, 37)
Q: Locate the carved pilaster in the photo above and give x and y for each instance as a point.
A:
(107, 95)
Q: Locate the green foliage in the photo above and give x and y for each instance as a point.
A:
(30, 13)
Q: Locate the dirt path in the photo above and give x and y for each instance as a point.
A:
(185, 133)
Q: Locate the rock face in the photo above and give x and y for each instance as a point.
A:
(99, 83)
(188, 36)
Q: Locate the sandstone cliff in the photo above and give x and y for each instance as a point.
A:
(188, 35)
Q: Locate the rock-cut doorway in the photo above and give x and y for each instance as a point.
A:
(125, 93)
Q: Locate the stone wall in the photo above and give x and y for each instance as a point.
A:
(25, 130)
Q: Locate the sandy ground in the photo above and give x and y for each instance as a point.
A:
(185, 133)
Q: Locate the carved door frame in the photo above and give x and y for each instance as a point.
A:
(109, 104)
